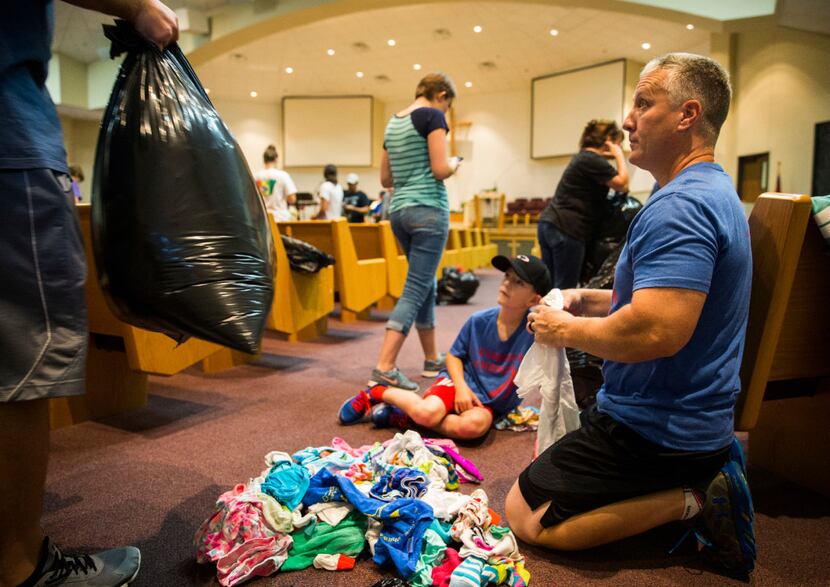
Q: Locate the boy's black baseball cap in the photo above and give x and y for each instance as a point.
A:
(528, 268)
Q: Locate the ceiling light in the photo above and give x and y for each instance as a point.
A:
(646, 46)
(468, 84)
(391, 42)
(690, 27)
(330, 52)
(477, 29)
(289, 70)
(359, 74)
(554, 32)
(253, 94)
(207, 90)
(417, 67)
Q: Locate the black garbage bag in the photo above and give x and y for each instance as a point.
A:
(456, 287)
(612, 232)
(180, 233)
(305, 257)
(604, 278)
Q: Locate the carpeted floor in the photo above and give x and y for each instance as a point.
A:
(150, 477)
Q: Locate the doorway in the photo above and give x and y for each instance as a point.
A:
(753, 174)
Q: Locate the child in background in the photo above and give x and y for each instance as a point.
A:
(477, 384)
(76, 172)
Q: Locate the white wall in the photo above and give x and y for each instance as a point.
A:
(782, 89)
(255, 125)
(496, 148)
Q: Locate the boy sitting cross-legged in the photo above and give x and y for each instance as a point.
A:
(477, 385)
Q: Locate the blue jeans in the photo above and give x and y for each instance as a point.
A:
(422, 232)
(562, 254)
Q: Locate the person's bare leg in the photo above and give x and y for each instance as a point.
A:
(392, 343)
(427, 338)
(24, 456)
(431, 413)
(601, 526)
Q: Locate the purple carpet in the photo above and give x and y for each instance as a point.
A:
(150, 477)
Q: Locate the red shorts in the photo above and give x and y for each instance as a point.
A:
(444, 389)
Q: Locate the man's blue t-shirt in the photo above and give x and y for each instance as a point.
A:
(490, 364)
(30, 132)
(692, 234)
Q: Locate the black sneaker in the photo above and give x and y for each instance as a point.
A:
(110, 568)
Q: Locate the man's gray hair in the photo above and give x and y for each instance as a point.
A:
(695, 77)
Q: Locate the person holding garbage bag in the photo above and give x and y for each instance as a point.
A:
(43, 330)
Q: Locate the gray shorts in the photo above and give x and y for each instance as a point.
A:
(43, 324)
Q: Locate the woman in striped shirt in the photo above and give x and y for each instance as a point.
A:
(415, 163)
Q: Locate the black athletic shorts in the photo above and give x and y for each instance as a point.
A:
(605, 462)
(43, 323)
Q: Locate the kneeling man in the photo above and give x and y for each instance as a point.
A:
(659, 444)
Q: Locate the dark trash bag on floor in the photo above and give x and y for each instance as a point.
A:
(456, 287)
(180, 233)
(305, 257)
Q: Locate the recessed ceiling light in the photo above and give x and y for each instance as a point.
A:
(289, 70)
(253, 94)
(477, 29)
(554, 32)
(330, 52)
(468, 84)
(391, 42)
(207, 90)
(359, 74)
(646, 46)
(416, 67)
(690, 27)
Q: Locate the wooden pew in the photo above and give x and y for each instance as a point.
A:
(302, 301)
(360, 282)
(377, 240)
(121, 356)
(477, 252)
(464, 255)
(488, 249)
(785, 398)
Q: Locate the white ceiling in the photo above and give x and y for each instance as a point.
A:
(515, 39)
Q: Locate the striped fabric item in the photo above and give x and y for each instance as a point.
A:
(468, 573)
(821, 213)
(409, 160)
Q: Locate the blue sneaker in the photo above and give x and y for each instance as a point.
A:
(388, 416)
(727, 519)
(356, 409)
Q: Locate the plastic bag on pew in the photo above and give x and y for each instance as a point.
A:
(180, 233)
(305, 257)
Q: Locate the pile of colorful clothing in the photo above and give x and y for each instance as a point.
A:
(322, 506)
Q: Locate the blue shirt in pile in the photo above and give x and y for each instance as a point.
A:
(490, 364)
(405, 141)
(30, 132)
(691, 234)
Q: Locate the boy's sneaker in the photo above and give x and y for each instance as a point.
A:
(432, 367)
(110, 568)
(387, 416)
(392, 379)
(727, 519)
(356, 409)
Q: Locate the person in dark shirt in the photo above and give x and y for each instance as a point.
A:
(569, 221)
(355, 202)
(43, 317)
